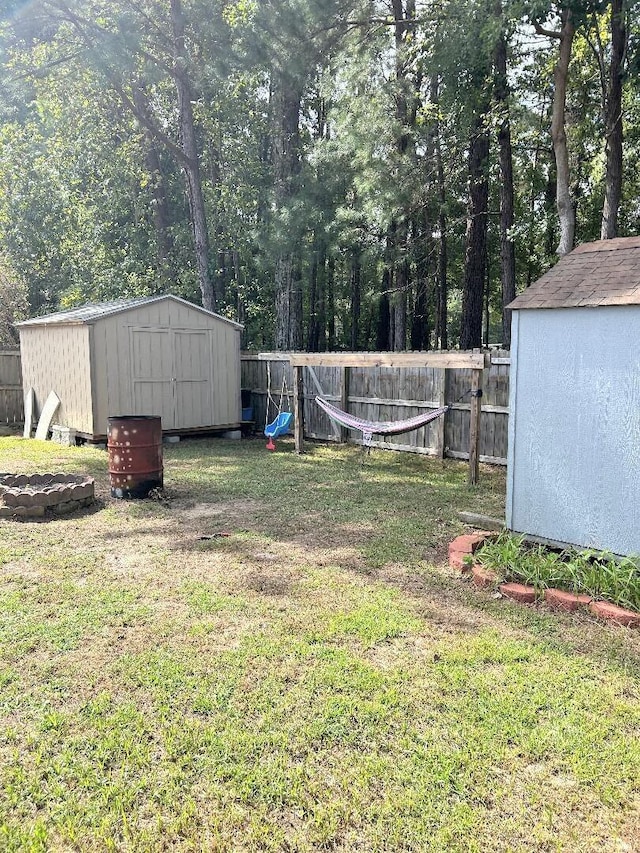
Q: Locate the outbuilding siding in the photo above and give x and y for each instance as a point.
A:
(158, 356)
(57, 359)
(574, 443)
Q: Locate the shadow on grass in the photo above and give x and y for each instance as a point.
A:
(385, 518)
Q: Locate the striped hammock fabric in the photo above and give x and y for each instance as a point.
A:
(371, 428)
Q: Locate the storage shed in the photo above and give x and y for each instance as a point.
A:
(573, 468)
(159, 355)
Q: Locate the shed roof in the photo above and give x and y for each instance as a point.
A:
(606, 272)
(89, 314)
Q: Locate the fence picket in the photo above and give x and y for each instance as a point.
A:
(11, 400)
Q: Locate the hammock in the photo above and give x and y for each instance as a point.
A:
(371, 428)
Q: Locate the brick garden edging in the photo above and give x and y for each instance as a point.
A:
(462, 547)
(29, 496)
(615, 614)
(558, 599)
(519, 592)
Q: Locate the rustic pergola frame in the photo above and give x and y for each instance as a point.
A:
(475, 361)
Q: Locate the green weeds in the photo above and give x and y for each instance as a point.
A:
(600, 575)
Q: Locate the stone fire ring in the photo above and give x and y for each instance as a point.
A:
(30, 495)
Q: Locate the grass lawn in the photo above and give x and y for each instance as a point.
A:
(316, 680)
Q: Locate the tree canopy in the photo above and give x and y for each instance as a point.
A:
(335, 174)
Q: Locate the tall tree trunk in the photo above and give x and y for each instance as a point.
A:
(404, 17)
(356, 270)
(402, 280)
(420, 319)
(475, 260)
(534, 192)
(441, 287)
(159, 204)
(297, 331)
(507, 248)
(191, 163)
(443, 295)
(240, 304)
(321, 318)
(283, 302)
(564, 201)
(550, 194)
(382, 335)
(487, 304)
(420, 333)
(613, 123)
(286, 153)
(313, 336)
(331, 304)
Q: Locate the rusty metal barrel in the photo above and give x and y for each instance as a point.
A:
(134, 443)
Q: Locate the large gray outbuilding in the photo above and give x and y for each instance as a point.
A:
(573, 472)
(159, 355)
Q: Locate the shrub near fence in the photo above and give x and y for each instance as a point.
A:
(11, 400)
(388, 394)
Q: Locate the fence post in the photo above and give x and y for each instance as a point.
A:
(344, 399)
(441, 387)
(474, 427)
(298, 409)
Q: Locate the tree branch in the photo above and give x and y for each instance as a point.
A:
(146, 121)
(542, 31)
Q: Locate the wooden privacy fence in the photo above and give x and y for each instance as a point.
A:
(11, 401)
(380, 393)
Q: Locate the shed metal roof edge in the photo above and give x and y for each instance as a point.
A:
(58, 318)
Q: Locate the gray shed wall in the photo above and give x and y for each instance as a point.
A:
(573, 468)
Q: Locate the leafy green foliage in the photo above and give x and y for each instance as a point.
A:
(92, 198)
(13, 304)
(598, 574)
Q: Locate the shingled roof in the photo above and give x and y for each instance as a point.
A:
(606, 272)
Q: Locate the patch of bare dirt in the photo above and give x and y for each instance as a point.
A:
(233, 512)
(268, 583)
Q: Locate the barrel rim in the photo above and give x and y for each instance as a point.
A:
(134, 418)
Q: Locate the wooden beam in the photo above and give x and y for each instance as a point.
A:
(473, 360)
(484, 522)
(489, 460)
(385, 401)
(441, 386)
(345, 375)
(474, 427)
(264, 356)
(298, 409)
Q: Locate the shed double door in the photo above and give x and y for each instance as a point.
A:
(171, 376)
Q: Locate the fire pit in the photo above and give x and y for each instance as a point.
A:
(30, 495)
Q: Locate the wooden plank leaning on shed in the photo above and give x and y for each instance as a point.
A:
(475, 361)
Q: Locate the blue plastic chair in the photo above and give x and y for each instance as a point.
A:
(280, 426)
